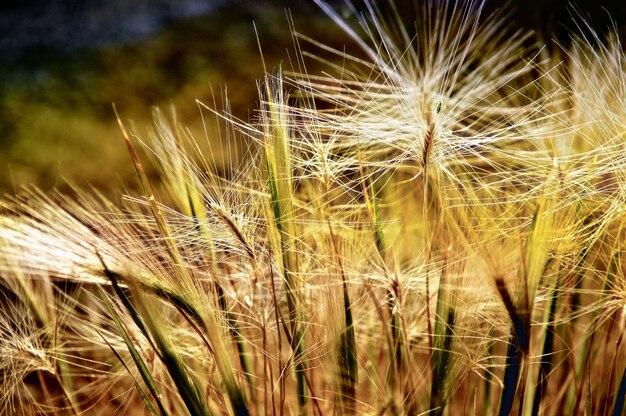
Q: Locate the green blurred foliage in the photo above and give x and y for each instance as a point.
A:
(56, 117)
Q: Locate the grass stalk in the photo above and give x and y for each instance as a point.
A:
(144, 372)
(192, 399)
(517, 351)
(445, 317)
(277, 151)
(547, 352)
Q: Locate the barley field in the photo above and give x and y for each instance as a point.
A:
(433, 224)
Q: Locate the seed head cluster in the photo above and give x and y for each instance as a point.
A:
(433, 224)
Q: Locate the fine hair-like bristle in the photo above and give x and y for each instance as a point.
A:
(435, 224)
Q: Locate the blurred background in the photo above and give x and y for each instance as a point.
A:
(62, 64)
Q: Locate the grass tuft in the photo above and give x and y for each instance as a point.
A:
(433, 224)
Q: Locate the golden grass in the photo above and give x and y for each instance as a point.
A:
(434, 227)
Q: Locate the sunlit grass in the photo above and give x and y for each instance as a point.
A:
(435, 226)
